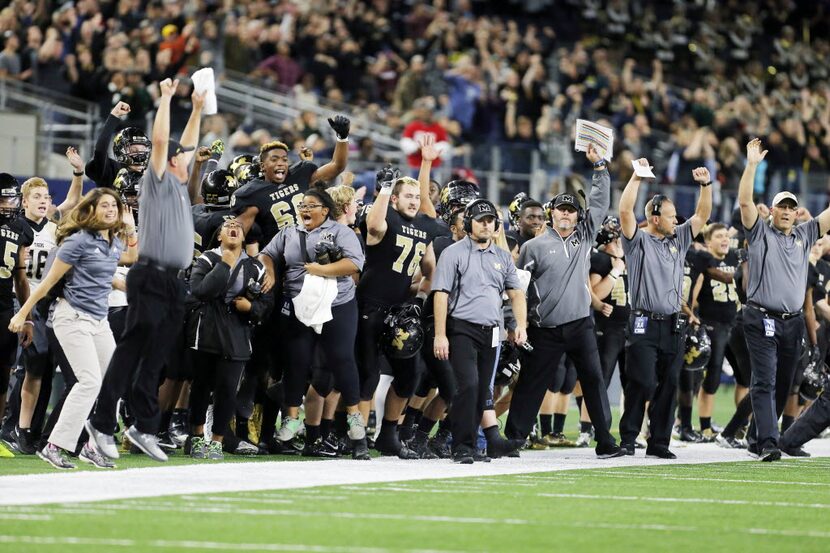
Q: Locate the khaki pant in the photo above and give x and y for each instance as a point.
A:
(88, 345)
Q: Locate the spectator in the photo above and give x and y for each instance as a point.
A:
(423, 124)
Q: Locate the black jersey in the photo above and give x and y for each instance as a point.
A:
(618, 297)
(391, 263)
(518, 236)
(206, 223)
(277, 203)
(14, 235)
(696, 262)
(822, 286)
(717, 301)
(434, 227)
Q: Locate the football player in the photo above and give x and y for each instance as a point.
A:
(131, 147)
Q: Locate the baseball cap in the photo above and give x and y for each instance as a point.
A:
(565, 199)
(168, 30)
(479, 209)
(781, 196)
(174, 149)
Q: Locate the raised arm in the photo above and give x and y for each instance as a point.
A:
(600, 199)
(337, 165)
(704, 202)
(628, 220)
(754, 156)
(429, 153)
(190, 135)
(73, 195)
(194, 182)
(376, 219)
(161, 128)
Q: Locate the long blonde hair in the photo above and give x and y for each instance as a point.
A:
(342, 196)
(82, 216)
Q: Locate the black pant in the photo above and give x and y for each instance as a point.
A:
(473, 360)
(438, 373)
(611, 345)
(774, 361)
(154, 318)
(652, 363)
(564, 378)
(578, 340)
(369, 335)
(738, 354)
(809, 425)
(337, 342)
(719, 335)
(217, 375)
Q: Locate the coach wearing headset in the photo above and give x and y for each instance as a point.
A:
(468, 284)
(559, 309)
(654, 348)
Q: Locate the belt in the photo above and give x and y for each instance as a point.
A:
(473, 325)
(652, 316)
(153, 264)
(783, 315)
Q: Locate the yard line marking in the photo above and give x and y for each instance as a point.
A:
(687, 500)
(267, 500)
(728, 480)
(23, 516)
(202, 545)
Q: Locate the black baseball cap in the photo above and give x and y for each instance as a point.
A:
(174, 149)
(478, 209)
(565, 199)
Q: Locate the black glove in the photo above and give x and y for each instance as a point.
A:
(327, 252)
(340, 125)
(386, 176)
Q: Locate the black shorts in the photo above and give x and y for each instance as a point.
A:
(8, 340)
(37, 359)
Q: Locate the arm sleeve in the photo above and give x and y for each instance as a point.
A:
(72, 248)
(599, 201)
(209, 281)
(756, 232)
(629, 245)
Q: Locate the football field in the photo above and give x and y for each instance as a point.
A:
(563, 499)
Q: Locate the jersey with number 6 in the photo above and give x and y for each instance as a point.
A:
(391, 263)
(43, 242)
(14, 236)
(277, 203)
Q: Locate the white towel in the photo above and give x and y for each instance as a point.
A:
(312, 306)
(203, 81)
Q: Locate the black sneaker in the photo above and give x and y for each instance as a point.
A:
(795, 452)
(690, 435)
(25, 441)
(439, 444)
(502, 447)
(769, 454)
(463, 456)
(8, 438)
(360, 451)
(389, 444)
(752, 449)
(609, 451)
(166, 442)
(331, 444)
(419, 444)
(481, 457)
(659, 453)
(316, 449)
(406, 433)
(729, 442)
(627, 449)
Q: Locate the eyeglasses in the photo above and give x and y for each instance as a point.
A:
(304, 207)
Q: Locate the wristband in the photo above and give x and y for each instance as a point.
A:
(386, 190)
(615, 274)
(600, 164)
(27, 322)
(346, 140)
(705, 184)
(78, 174)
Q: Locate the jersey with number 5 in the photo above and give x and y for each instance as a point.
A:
(392, 262)
(15, 235)
(276, 203)
(43, 242)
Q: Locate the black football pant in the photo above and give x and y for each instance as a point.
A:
(611, 345)
(774, 362)
(154, 318)
(652, 364)
(369, 336)
(438, 373)
(220, 376)
(738, 354)
(578, 341)
(809, 425)
(719, 335)
(473, 360)
(337, 343)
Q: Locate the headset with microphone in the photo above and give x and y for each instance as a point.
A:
(657, 204)
(486, 207)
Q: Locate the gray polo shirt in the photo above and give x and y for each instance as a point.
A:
(475, 279)
(287, 243)
(778, 264)
(93, 261)
(558, 291)
(655, 269)
(165, 234)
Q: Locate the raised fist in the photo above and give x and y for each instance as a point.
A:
(340, 125)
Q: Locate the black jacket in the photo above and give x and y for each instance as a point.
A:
(214, 326)
(102, 169)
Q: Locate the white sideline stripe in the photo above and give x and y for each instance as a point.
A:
(686, 500)
(191, 544)
(727, 480)
(213, 478)
(23, 516)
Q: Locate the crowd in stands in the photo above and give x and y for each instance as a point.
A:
(689, 79)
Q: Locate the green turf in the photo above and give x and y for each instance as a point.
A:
(719, 507)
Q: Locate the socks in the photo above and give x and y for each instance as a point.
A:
(389, 428)
(445, 424)
(786, 422)
(705, 422)
(426, 425)
(585, 427)
(340, 426)
(325, 427)
(411, 416)
(164, 424)
(312, 433)
(545, 424)
(558, 422)
(491, 434)
(685, 414)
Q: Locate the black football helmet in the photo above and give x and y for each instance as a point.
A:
(122, 148)
(9, 197)
(610, 230)
(698, 349)
(457, 194)
(509, 364)
(515, 207)
(128, 185)
(403, 334)
(218, 187)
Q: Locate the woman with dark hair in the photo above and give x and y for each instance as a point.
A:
(226, 299)
(328, 249)
(96, 236)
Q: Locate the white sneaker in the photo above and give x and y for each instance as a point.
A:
(103, 443)
(584, 439)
